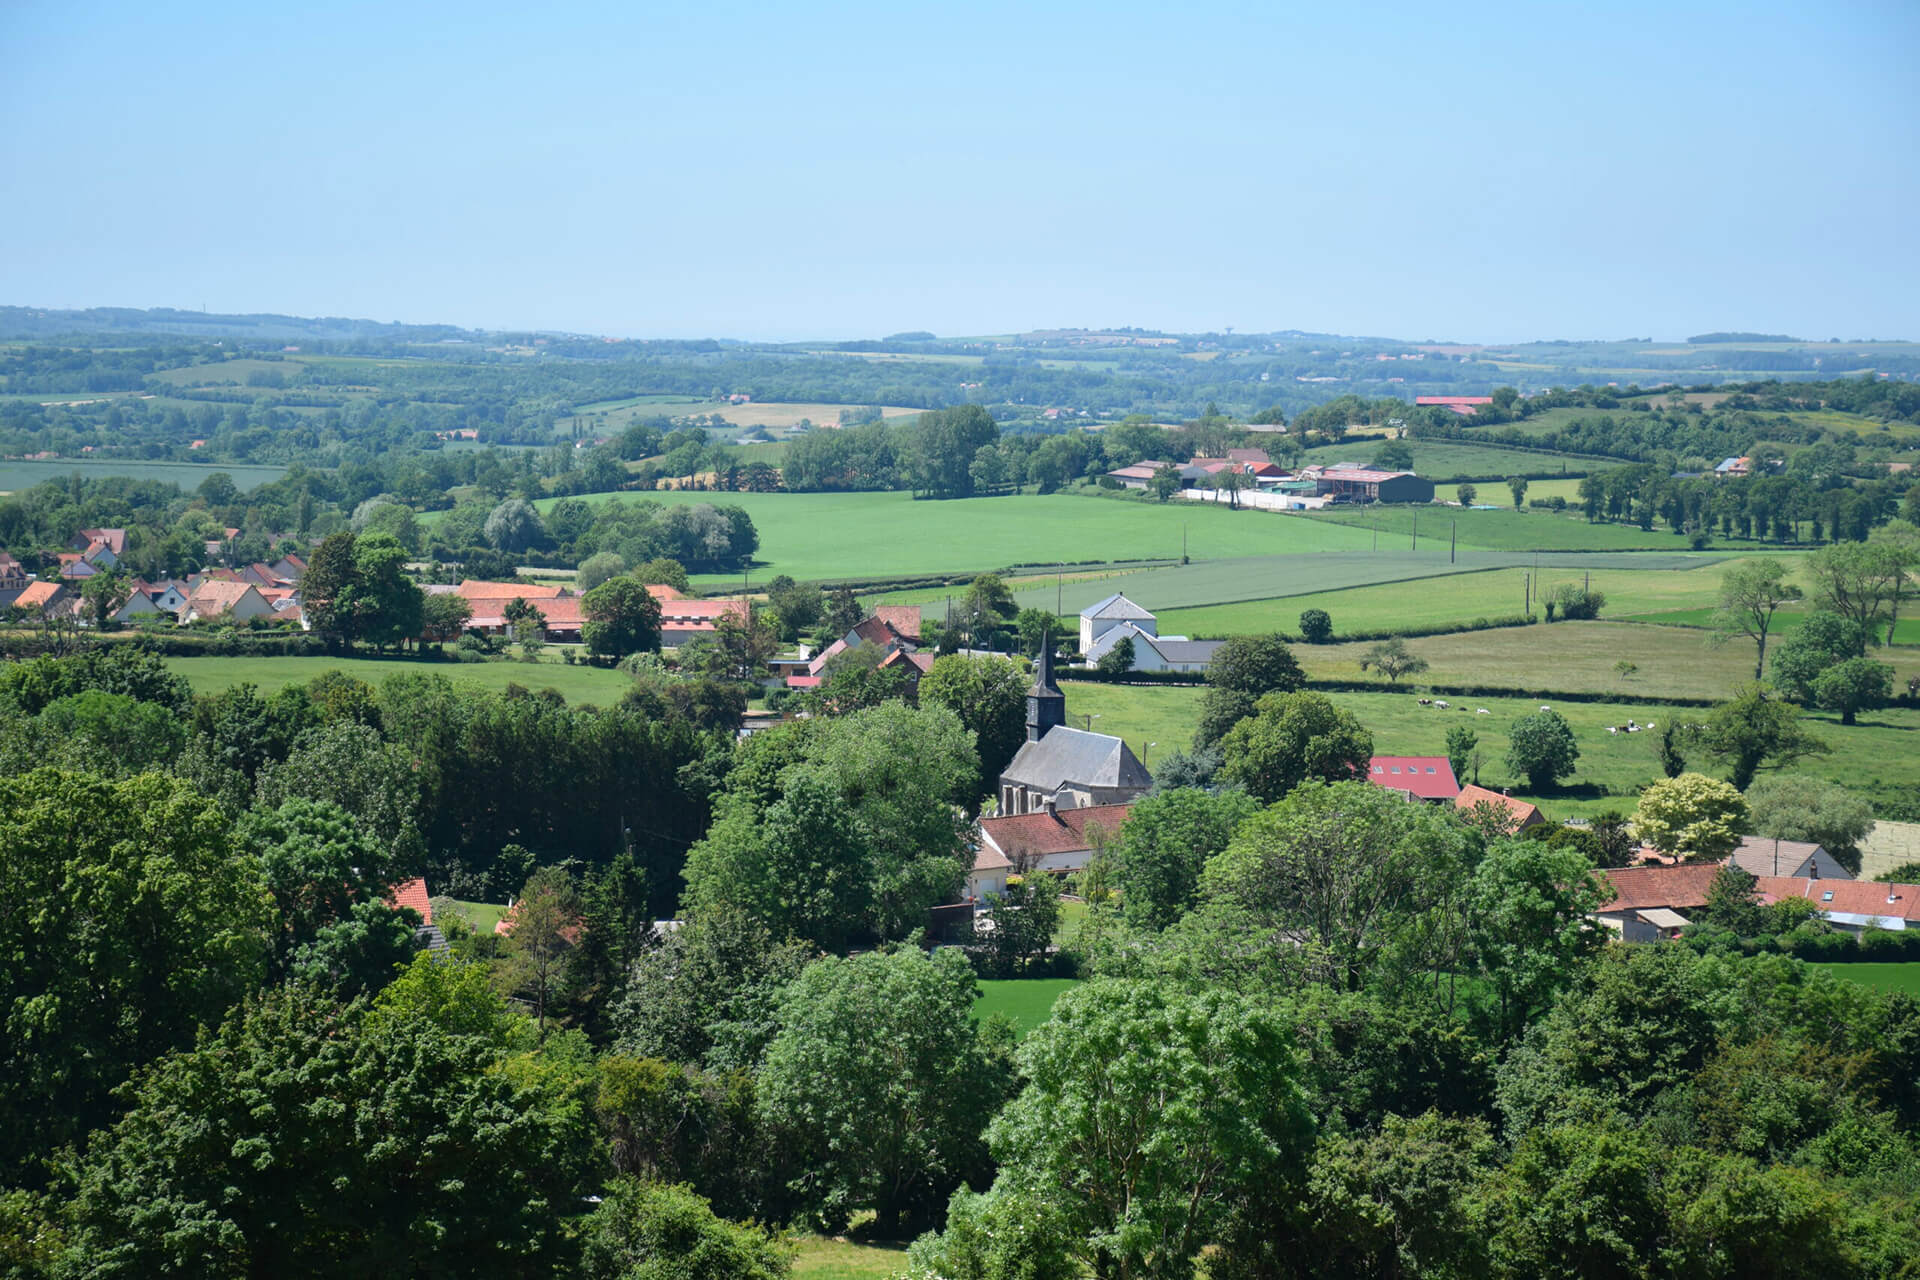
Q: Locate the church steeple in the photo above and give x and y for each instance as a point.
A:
(1046, 705)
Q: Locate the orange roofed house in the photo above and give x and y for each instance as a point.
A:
(682, 617)
(1517, 814)
(1058, 841)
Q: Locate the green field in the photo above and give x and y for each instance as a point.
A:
(1877, 753)
(1493, 493)
(589, 685)
(1906, 632)
(1459, 599)
(1447, 459)
(16, 475)
(1904, 978)
(827, 536)
(1028, 1001)
(480, 916)
(1508, 530)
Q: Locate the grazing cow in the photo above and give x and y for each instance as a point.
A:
(1613, 728)
(1483, 712)
(1426, 702)
(1440, 704)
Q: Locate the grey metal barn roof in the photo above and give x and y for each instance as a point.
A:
(1073, 755)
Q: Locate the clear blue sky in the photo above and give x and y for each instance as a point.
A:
(1476, 172)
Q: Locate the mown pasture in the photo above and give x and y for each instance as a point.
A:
(833, 536)
(1027, 1001)
(1903, 978)
(1449, 459)
(1509, 530)
(16, 474)
(1876, 754)
(1693, 584)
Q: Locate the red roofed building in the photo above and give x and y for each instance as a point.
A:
(1519, 814)
(43, 598)
(1058, 841)
(413, 894)
(682, 618)
(872, 629)
(1853, 905)
(1419, 777)
(503, 591)
(903, 618)
(1466, 406)
(1648, 902)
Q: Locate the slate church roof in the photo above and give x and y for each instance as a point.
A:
(1115, 606)
(1073, 755)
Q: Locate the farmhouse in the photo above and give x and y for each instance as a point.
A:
(1103, 616)
(682, 618)
(874, 629)
(1137, 476)
(1062, 768)
(1363, 484)
(1517, 814)
(1649, 903)
(1761, 856)
(1058, 841)
(1416, 777)
(1850, 905)
(1156, 653)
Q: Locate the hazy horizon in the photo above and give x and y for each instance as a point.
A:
(1508, 175)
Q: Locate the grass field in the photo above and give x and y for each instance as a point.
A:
(588, 685)
(1877, 753)
(480, 916)
(1509, 530)
(1493, 493)
(1904, 978)
(1463, 597)
(821, 536)
(618, 413)
(1447, 459)
(820, 1258)
(1906, 632)
(17, 475)
(1028, 1001)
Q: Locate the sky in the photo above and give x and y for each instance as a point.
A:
(1470, 172)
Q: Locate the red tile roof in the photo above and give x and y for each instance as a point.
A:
(1523, 814)
(1428, 777)
(1640, 888)
(413, 893)
(1061, 831)
(475, 590)
(38, 595)
(903, 618)
(1853, 897)
(662, 592)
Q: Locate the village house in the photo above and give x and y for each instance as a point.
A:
(1851, 906)
(45, 599)
(1056, 841)
(682, 617)
(1518, 815)
(1104, 615)
(881, 628)
(1428, 778)
(13, 579)
(1153, 652)
(235, 601)
(1763, 856)
(1649, 904)
(1137, 476)
(1062, 768)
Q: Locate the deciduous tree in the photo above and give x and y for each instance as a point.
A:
(1541, 747)
(1751, 592)
(1691, 816)
(1294, 738)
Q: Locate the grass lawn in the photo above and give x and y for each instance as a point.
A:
(1904, 978)
(591, 685)
(824, 536)
(1494, 493)
(1509, 530)
(820, 1258)
(1028, 1001)
(1877, 754)
(482, 916)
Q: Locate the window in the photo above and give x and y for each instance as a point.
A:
(1429, 768)
(1396, 768)
(1827, 896)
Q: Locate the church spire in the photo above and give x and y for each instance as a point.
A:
(1046, 705)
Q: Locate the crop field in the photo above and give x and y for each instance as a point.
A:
(778, 416)
(1028, 1001)
(1446, 459)
(1494, 493)
(828, 536)
(1878, 753)
(581, 685)
(17, 475)
(1904, 978)
(1508, 530)
(1907, 631)
(227, 372)
(1463, 597)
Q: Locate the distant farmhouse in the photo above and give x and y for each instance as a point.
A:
(1116, 618)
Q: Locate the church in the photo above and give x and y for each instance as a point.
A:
(1062, 768)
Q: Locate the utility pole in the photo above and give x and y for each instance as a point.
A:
(1183, 542)
(1527, 608)
(1059, 592)
(1416, 530)
(1453, 540)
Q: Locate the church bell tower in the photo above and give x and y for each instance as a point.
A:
(1046, 705)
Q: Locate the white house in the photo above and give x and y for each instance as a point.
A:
(1098, 619)
(215, 599)
(1155, 653)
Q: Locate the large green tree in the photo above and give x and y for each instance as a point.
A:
(1541, 748)
(1756, 730)
(989, 695)
(880, 1076)
(308, 1139)
(1821, 641)
(619, 617)
(1165, 844)
(1751, 592)
(1293, 738)
(1794, 806)
(133, 921)
(1151, 1116)
(1691, 816)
